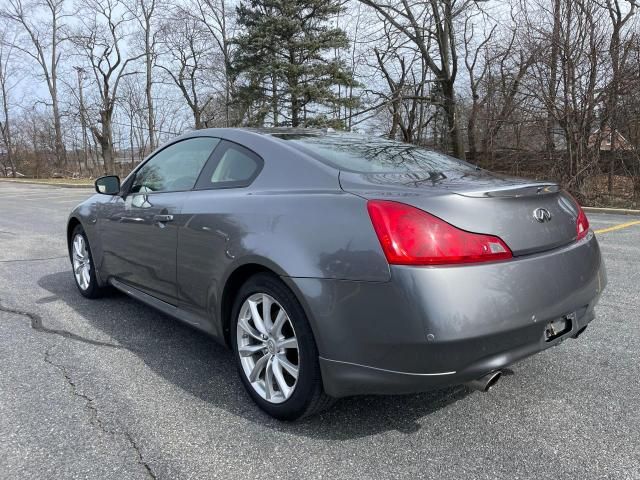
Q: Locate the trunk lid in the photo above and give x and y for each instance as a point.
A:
(481, 202)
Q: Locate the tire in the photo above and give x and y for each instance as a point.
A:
(87, 286)
(307, 396)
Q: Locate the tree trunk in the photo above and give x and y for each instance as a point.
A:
(12, 164)
(295, 111)
(197, 118)
(105, 139)
(295, 102)
(471, 130)
(150, 112)
(450, 105)
(6, 133)
(550, 145)
(61, 159)
(614, 51)
(274, 99)
(131, 146)
(395, 120)
(293, 88)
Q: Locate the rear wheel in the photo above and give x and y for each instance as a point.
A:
(84, 271)
(275, 350)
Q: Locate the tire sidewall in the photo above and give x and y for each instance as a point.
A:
(307, 383)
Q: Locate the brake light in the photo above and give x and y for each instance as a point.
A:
(582, 224)
(410, 236)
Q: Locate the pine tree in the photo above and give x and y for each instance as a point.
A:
(285, 62)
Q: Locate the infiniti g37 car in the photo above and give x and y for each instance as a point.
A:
(336, 264)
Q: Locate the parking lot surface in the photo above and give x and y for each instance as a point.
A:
(112, 389)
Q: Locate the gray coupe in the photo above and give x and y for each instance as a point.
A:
(337, 264)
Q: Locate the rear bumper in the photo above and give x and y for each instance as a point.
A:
(344, 379)
(436, 326)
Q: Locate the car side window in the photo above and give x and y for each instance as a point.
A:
(176, 167)
(231, 166)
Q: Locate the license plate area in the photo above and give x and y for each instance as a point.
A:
(559, 327)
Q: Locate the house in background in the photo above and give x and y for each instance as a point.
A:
(609, 141)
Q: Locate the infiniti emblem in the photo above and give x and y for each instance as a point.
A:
(542, 215)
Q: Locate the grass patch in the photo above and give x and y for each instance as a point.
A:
(80, 182)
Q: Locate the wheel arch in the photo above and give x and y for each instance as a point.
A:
(238, 276)
(71, 226)
(94, 245)
(233, 283)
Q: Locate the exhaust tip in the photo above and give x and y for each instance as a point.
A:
(484, 384)
(492, 380)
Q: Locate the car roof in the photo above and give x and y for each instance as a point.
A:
(265, 131)
(279, 131)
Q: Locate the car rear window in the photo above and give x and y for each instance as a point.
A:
(364, 154)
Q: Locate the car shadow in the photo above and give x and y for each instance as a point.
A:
(171, 349)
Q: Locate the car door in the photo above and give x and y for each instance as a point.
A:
(140, 233)
(212, 227)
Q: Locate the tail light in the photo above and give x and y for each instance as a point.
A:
(410, 236)
(582, 223)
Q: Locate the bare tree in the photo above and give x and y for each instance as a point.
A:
(133, 103)
(618, 52)
(431, 27)
(406, 77)
(7, 72)
(579, 35)
(187, 63)
(146, 13)
(508, 65)
(219, 20)
(477, 61)
(353, 60)
(552, 84)
(101, 40)
(43, 23)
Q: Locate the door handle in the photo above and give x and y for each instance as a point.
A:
(163, 218)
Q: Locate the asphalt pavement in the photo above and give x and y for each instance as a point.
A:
(112, 389)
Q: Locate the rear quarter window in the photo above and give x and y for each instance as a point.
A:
(232, 166)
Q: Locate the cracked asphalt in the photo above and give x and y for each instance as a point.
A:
(112, 389)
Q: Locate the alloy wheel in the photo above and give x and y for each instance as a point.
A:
(268, 348)
(81, 262)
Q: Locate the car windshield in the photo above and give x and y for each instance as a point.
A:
(365, 154)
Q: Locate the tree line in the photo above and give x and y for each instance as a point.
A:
(538, 87)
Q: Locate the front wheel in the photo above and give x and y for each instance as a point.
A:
(84, 271)
(275, 350)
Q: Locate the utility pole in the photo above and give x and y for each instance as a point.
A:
(80, 72)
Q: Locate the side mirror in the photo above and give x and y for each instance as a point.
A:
(108, 185)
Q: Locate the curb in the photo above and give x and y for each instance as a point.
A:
(614, 211)
(63, 185)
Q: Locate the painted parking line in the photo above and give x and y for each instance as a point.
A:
(618, 227)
